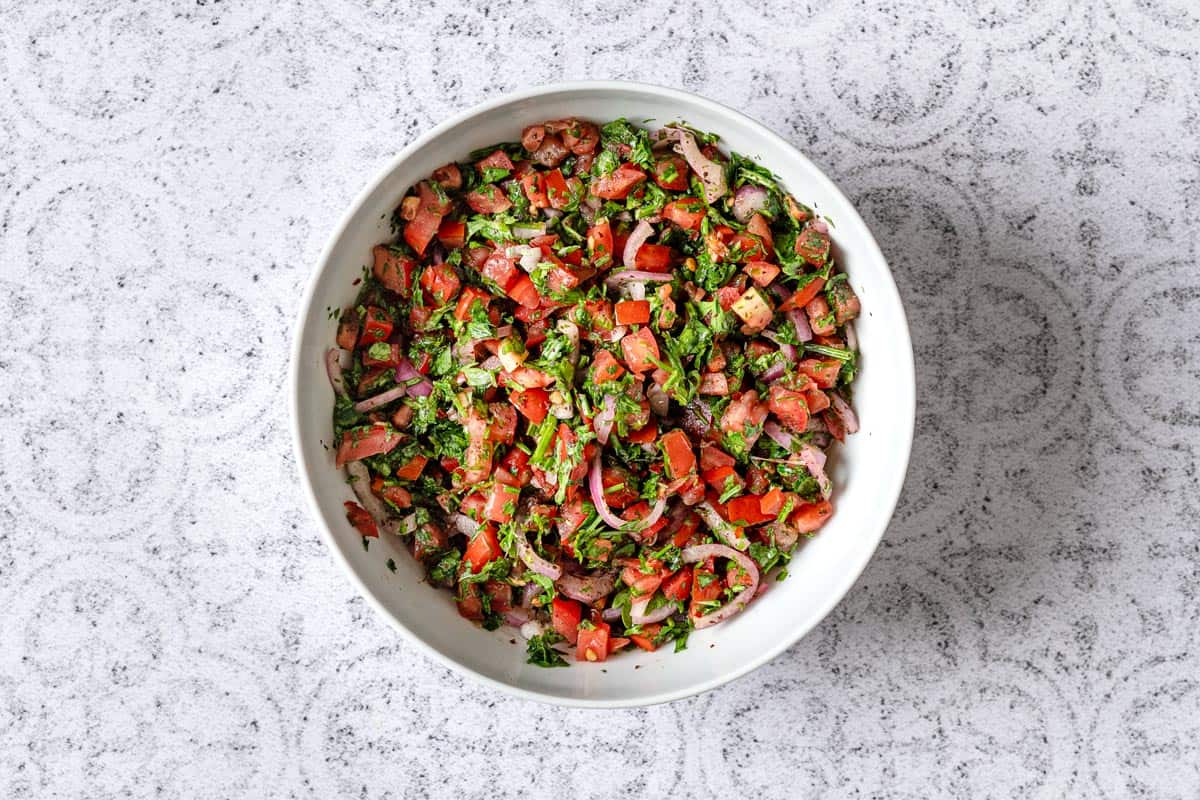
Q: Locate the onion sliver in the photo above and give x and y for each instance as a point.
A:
(639, 616)
(596, 487)
(333, 368)
(534, 561)
(636, 239)
(725, 531)
(586, 589)
(702, 552)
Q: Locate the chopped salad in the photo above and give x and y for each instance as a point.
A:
(592, 383)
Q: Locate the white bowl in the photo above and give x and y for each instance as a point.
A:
(868, 472)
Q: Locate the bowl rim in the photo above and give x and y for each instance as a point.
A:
(905, 394)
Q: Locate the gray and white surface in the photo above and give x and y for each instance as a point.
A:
(170, 624)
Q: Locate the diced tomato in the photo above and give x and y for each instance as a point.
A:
(727, 296)
(671, 173)
(501, 499)
(560, 279)
(470, 605)
(534, 185)
(706, 586)
(412, 468)
(632, 312)
(761, 272)
(452, 233)
(719, 478)
(466, 300)
(389, 361)
(804, 295)
(429, 539)
(653, 258)
(431, 207)
(641, 510)
(483, 548)
(500, 269)
(361, 519)
(771, 503)
(605, 367)
(642, 583)
(500, 594)
(600, 244)
(377, 327)
(809, 518)
(678, 586)
(813, 245)
(592, 644)
(516, 462)
(645, 640)
(615, 643)
(440, 283)
(820, 318)
(817, 401)
(640, 350)
(759, 226)
(790, 406)
(359, 443)
(496, 160)
(472, 506)
(644, 435)
(844, 301)
(488, 200)
(599, 315)
(347, 333)
(746, 510)
(714, 384)
(688, 528)
(619, 183)
(396, 495)
(686, 212)
(393, 270)
(748, 247)
(504, 423)
(618, 487)
(558, 190)
(565, 616)
(532, 403)
(678, 455)
(524, 292)
(712, 456)
(825, 373)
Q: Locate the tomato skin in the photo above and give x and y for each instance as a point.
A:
(452, 233)
(824, 373)
(440, 283)
(496, 160)
(771, 503)
(466, 300)
(502, 498)
(644, 435)
(817, 401)
(605, 367)
(361, 519)
(653, 258)
(678, 456)
(622, 497)
(565, 616)
(686, 212)
(706, 585)
(813, 245)
(500, 269)
(533, 403)
(671, 173)
(640, 350)
(618, 184)
(837, 428)
(488, 199)
(718, 478)
(533, 184)
(379, 438)
(503, 428)
(750, 247)
(691, 524)
(483, 548)
(746, 509)
(424, 226)
(377, 327)
(600, 244)
(516, 462)
(558, 189)
(524, 292)
(644, 640)
(790, 406)
(809, 518)
(641, 510)
(592, 644)
(412, 470)
(759, 226)
(632, 312)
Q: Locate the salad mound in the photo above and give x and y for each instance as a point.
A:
(592, 383)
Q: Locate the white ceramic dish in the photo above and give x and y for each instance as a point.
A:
(868, 472)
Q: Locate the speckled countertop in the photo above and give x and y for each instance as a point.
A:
(170, 624)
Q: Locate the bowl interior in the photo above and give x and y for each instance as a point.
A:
(868, 471)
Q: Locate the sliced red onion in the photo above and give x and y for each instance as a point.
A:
(773, 372)
(637, 291)
(843, 410)
(787, 348)
(727, 532)
(534, 561)
(418, 384)
(747, 201)
(586, 588)
(851, 337)
(603, 423)
(571, 331)
(596, 487)
(422, 388)
(637, 238)
(712, 174)
(360, 482)
(465, 525)
(531, 629)
(660, 505)
(381, 399)
(800, 323)
(639, 616)
(778, 435)
(660, 402)
(528, 231)
(551, 213)
(816, 425)
(814, 461)
(333, 368)
(614, 335)
(610, 614)
(820, 226)
(703, 552)
(618, 279)
(491, 363)
(822, 439)
(528, 256)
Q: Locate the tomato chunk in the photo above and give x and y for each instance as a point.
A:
(440, 283)
(592, 644)
(618, 184)
(393, 270)
(452, 233)
(677, 451)
(671, 173)
(605, 367)
(565, 616)
(632, 312)
(484, 548)
(640, 350)
(600, 244)
(363, 442)
(686, 212)
(361, 519)
(824, 373)
(377, 326)
(533, 403)
(470, 295)
(809, 518)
